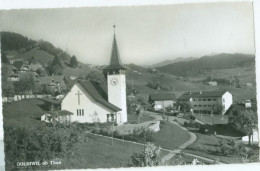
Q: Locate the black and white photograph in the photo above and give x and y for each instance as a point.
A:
(129, 86)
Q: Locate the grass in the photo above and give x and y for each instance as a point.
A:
(40, 55)
(170, 136)
(209, 146)
(99, 152)
(24, 113)
(132, 118)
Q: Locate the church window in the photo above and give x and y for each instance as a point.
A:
(82, 112)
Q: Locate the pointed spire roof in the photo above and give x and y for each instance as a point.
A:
(115, 62)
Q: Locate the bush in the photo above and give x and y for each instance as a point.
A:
(202, 130)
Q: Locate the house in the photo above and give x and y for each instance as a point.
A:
(241, 108)
(249, 85)
(207, 101)
(162, 100)
(18, 64)
(13, 77)
(212, 83)
(54, 83)
(90, 102)
(24, 68)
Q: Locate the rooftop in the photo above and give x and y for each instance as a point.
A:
(162, 96)
(98, 92)
(201, 94)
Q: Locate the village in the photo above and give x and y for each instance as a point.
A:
(191, 127)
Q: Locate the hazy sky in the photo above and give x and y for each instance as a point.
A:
(145, 35)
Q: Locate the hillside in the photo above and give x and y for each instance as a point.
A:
(167, 62)
(39, 55)
(14, 41)
(208, 63)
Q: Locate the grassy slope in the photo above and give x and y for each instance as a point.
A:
(170, 136)
(209, 146)
(100, 153)
(25, 113)
(41, 56)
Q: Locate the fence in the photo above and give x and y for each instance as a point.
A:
(21, 97)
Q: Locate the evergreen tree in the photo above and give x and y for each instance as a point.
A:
(73, 61)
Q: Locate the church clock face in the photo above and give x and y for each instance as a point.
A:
(114, 81)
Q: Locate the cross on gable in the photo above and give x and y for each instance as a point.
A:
(78, 94)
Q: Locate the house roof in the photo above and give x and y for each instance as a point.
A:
(115, 62)
(34, 67)
(162, 96)
(98, 93)
(241, 107)
(18, 64)
(201, 94)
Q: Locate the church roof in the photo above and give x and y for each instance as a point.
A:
(98, 93)
(115, 62)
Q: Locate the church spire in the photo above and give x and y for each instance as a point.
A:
(115, 62)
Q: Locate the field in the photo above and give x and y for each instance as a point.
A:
(39, 55)
(170, 136)
(24, 113)
(100, 153)
(209, 146)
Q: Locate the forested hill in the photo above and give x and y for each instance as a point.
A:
(14, 41)
(209, 63)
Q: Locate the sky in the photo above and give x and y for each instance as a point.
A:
(145, 34)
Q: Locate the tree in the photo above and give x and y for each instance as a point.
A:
(149, 157)
(41, 72)
(57, 61)
(185, 106)
(246, 122)
(32, 60)
(4, 58)
(137, 109)
(25, 85)
(73, 61)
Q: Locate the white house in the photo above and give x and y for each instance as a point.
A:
(204, 101)
(89, 102)
(162, 100)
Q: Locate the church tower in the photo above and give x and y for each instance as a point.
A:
(116, 82)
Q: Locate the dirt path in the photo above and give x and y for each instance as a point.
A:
(192, 139)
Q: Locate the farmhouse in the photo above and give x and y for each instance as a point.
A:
(54, 83)
(212, 83)
(206, 101)
(89, 102)
(162, 100)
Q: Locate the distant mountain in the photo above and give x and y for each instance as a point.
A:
(167, 62)
(135, 67)
(208, 63)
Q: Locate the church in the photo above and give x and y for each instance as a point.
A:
(90, 102)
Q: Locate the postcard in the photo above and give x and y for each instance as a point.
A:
(129, 86)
